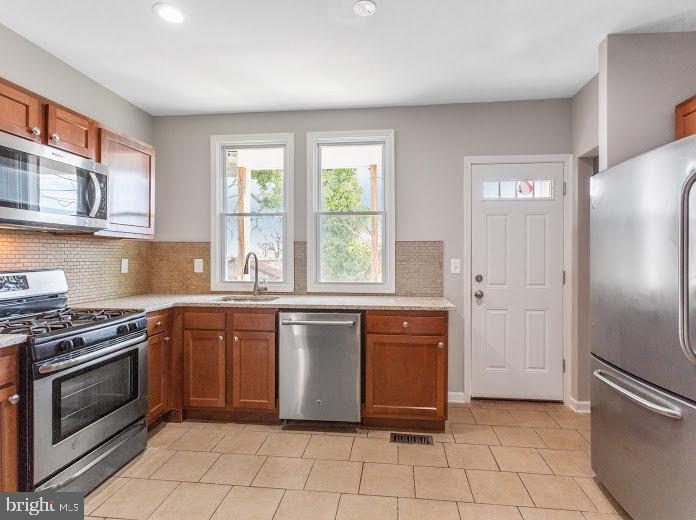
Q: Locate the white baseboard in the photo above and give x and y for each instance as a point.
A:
(457, 397)
(578, 406)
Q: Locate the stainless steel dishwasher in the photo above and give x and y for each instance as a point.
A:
(319, 366)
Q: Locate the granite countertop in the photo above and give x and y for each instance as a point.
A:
(154, 302)
(8, 340)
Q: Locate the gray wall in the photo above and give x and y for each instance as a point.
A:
(31, 67)
(643, 76)
(584, 113)
(431, 143)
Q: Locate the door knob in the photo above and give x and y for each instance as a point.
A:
(235, 339)
(36, 130)
(55, 137)
(478, 278)
(13, 399)
(478, 294)
(221, 338)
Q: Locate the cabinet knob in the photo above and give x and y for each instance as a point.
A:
(405, 324)
(55, 137)
(441, 345)
(221, 338)
(166, 340)
(235, 339)
(158, 324)
(36, 130)
(13, 399)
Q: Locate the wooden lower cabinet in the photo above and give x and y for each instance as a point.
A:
(204, 377)
(159, 375)
(253, 370)
(8, 419)
(406, 377)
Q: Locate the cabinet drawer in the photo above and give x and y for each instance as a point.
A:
(157, 323)
(257, 322)
(381, 324)
(204, 320)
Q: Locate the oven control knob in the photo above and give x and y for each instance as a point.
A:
(122, 329)
(132, 327)
(64, 345)
(79, 341)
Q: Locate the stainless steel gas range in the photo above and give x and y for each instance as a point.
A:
(83, 380)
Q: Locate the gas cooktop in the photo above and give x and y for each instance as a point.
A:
(61, 319)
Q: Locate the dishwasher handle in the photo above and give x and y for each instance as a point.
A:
(323, 323)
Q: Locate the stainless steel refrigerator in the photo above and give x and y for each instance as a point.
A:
(643, 331)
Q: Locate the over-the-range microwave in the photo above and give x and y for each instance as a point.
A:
(42, 187)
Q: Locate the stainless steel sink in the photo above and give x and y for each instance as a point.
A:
(251, 298)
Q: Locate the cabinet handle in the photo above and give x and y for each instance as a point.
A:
(55, 137)
(166, 340)
(405, 324)
(440, 345)
(221, 338)
(158, 324)
(36, 130)
(236, 339)
(13, 399)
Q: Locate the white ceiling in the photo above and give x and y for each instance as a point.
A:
(259, 55)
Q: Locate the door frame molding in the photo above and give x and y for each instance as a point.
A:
(570, 237)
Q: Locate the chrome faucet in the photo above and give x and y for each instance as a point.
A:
(257, 289)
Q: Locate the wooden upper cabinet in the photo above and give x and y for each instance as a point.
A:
(253, 365)
(71, 131)
(131, 185)
(204, 369)
(20, 113)
(685, 118)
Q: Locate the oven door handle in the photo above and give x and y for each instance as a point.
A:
(49, 368)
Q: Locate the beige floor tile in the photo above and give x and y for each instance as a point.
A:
(518, 436)
(497, 487)
(262, 427)
(359, 432)
(165, 436)
(540, 406)
(525, 460)
(437, 436)
(417, 509)
(197, 440)
(552, 491)
(533, 419)
(488, 512)
(365, 507)
(572, 463)
(243, 442)
(460, 414)
(136, 500)
(244, 503)
(234, 469)
(474, 434)
(601, 498)
(187, 466)
(307, 505)
(442, 484)
(146, 463)
(392, 480)
(374, 450)
(328, 447)
(572, 421)
(549, 514)
(601, 516)
(211, 425)
(101, 493)
(338, 476)
(422, 455)
(587, 435)
(494, 417)
(470, 456)
(283, 472)
(191, 501)
(560, 439)
(284, 444)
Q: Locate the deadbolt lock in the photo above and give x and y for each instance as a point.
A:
(478, 278)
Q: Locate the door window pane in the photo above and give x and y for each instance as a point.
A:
(259, 234)
(351, 248)
(351, 177)
(254, 180)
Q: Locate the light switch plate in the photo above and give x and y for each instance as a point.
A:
(197, 265)
(455, 265)
(124, 265)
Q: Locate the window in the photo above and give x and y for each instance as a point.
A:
(513, 190)
(252, 210)
(350, 211)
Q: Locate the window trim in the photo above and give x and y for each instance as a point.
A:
(314, 139)
(217, 143)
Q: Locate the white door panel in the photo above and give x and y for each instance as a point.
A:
(517, 246)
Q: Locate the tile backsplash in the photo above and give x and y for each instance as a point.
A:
(93, 265)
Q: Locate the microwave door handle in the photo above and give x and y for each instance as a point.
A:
(684, 337)
(666, 411)
(97, 195)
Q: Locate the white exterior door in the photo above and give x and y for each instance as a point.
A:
(517, 285)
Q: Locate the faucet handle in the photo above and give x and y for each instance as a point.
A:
(263, 286)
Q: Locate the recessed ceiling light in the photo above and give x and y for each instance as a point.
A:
(364, 8)
(168, 12)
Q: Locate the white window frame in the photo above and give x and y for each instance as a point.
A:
(314, 140)
(217, 144)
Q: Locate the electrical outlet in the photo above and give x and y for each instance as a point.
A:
(197, 265)
(455, 265)
(124, 265)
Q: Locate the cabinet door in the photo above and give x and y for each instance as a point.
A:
(131, 185)
(685, 119)
(253, 365)
(405, 376)
(158, 367)
(71, 131)
(204, 369)
(20, 113)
